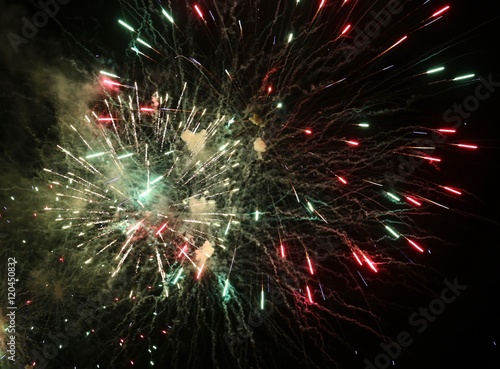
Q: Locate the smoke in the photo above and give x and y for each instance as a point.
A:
(260, 146)
(40, 90)
(201, 206)
(195, 141)
(204, 253)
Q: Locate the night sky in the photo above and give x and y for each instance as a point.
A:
(62, 61)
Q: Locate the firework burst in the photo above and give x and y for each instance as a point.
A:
(245, 173)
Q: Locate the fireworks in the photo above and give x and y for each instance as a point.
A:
(244, 173)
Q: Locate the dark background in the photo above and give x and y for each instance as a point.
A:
(467, 333)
